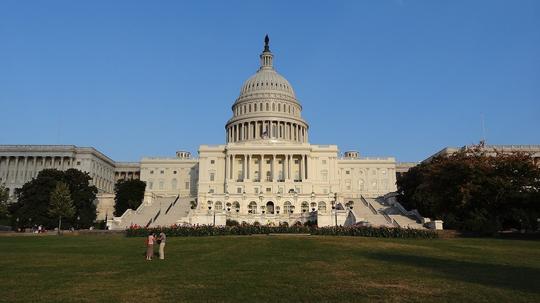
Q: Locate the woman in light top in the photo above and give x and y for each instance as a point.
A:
(150, 246)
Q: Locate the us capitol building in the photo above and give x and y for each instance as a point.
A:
(266, 172)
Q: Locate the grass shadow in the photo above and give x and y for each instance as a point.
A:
(495, 275)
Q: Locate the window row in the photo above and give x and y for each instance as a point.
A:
(265, 106)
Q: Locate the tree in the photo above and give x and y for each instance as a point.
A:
(84, 197)
(61, 204)
(129, 194)
(475, 191)
(33, 198)
(4, 195)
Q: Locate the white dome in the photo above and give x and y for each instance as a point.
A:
(267, 80)
(267, 108)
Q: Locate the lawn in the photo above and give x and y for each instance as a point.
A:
(112, 268)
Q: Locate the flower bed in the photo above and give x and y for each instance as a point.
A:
(208, 230)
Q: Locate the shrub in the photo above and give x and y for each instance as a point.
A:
(230, 222)
(208, 230)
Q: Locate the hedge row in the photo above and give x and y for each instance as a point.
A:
(208, 230)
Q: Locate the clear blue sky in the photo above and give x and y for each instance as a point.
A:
(388, 78)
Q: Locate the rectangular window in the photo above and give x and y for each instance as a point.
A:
(347, 172)
(268, 189)
(151, 172)
(160, 184)
(187, 185)
(212, 176)
(212, 161)
(323, 161)
(211, 191)
(78, 162)
(174, 172)
(239, 190)
(256, 190)
(162, 172)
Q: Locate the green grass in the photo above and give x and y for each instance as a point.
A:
(269, 268)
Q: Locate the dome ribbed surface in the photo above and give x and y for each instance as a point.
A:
(266, 81)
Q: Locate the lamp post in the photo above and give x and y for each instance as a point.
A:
(334, 209)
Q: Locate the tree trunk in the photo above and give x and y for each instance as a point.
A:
(59, 224)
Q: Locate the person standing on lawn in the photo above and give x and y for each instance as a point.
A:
(150, 246)
(162, 239)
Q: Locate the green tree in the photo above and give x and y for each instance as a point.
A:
(33, 198)
(84, 197)
(129, 194)
(4, 195)
(61, 204)
(471, 190)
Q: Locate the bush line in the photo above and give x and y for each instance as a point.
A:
(355, 231)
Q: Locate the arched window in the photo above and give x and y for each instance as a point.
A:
(218, 206)
(273, 107)
(313, 206)
(287, 207)
(252, 207)
(267, 107)
(322, 207)
(270, 207)
(236, 206)
(350, 204)
(260, 107)
(279, 107)
(305, 207)
(209, 204)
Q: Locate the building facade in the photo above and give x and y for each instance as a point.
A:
(20, 163)
(267, 171)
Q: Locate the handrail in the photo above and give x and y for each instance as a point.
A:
(368, 205)
(169, 208)
(386, 216)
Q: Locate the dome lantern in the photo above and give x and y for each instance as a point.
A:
(266, 56)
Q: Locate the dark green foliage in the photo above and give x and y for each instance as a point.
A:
(230, 222)
(129, 195)
(246, 229)
(61, 204)
(4, 195)
(473, 191)
(33, 199)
